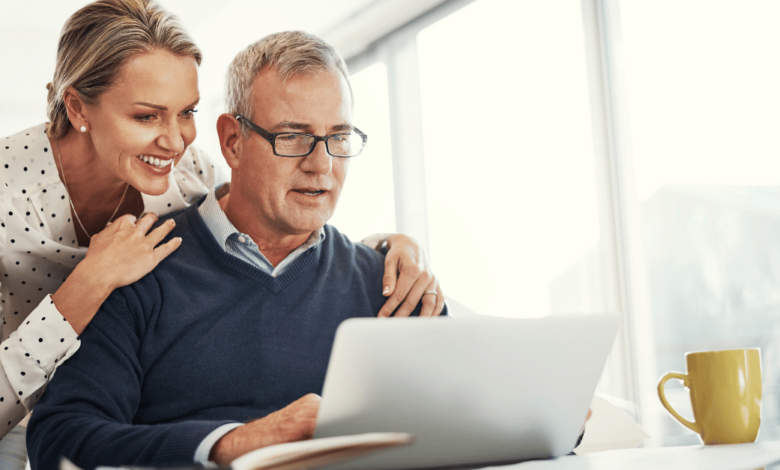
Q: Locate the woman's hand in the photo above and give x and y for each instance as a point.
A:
(124, 252)
(117, 256)
(415, 283)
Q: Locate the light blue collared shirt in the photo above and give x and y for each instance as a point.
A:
(242, 247)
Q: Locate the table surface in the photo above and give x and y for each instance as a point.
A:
(768, 432)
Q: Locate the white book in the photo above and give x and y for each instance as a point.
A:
(319, 452)
(303, 454)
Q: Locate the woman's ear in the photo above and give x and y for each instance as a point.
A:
(76, 110)
(230, 140)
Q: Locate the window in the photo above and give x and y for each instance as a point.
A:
(366, 205)
(702, 105)
(512, 211)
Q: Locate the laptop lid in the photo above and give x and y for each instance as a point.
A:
(470, 390)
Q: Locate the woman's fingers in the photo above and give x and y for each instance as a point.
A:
(127, 250)
(146, 221)
(162, 251)
(429, 299)
(388, 285)
(391, 274)
(439, 301)
(126, 219)
(403, 286)
(406, 280)
(415, 294)
(158, 234)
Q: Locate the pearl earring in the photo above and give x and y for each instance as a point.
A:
(83, 129)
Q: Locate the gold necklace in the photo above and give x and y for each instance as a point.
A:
(59, 157)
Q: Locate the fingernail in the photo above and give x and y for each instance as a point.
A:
(386, 291)
(150, 213)
(179, 238)
(170, 222)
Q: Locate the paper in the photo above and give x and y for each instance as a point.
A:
(723, 457)
(305, 454)
(319, 452)
(609, 428)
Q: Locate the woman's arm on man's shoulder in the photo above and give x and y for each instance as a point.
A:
(408, 279)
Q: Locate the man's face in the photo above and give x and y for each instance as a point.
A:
(295, 195)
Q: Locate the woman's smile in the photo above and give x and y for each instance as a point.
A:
(160, 163)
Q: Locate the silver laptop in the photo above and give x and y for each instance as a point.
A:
(471, 391)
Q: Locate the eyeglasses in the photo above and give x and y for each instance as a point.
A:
(294, 144)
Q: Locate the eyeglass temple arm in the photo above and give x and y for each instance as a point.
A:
(260, 131)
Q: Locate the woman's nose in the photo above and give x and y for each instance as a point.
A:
(171, 139)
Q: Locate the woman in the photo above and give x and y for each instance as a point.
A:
(118, 142)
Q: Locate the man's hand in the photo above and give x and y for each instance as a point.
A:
(590, 413)
(409, 280)
(295, 422)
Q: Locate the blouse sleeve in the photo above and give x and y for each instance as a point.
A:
(30, 356)
(12, 409)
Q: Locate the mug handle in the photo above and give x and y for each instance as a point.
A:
(684, 378)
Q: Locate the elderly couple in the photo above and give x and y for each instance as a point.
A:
(208, 335)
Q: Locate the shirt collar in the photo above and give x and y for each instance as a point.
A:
(221, 227)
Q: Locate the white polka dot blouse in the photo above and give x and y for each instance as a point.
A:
(38, 249)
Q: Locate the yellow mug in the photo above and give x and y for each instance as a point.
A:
(725, 388)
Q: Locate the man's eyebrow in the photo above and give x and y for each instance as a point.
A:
(305, 127)
(298, 126)
(342, 128)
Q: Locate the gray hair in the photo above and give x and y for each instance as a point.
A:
(98, 39)
(290, 53)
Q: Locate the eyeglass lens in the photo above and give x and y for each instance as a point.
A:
(340, 145)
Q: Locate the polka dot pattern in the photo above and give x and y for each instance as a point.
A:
(35, 213)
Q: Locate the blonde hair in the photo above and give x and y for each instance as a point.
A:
(290, 53)
(98, 39)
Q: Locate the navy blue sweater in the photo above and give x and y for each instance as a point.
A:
(203, 340)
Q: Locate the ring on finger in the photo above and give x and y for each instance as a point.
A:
(432, 292)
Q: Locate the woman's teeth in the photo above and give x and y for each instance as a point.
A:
(156, 162)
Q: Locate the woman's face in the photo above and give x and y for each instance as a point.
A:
(142, 124)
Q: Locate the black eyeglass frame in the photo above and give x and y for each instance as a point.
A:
(271, 138)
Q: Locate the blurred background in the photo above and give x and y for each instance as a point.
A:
(557, 157)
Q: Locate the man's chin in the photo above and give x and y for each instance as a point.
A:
(310, 223)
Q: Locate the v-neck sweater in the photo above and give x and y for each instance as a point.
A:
(204, 340)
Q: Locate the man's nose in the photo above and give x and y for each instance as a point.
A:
(318, 161)
(171, 139)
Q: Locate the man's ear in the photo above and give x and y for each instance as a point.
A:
(75, 108)
(230, 140)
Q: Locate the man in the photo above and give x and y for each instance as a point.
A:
(173, 364)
